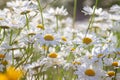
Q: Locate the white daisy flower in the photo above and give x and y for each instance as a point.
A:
(58, 11)
(115, 8)
(15, 22)
(90, 72)
(89, 11)
(47, 38)
(88, 40)
(17, 3)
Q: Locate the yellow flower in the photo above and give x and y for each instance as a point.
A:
(3, 77)
(13, 74)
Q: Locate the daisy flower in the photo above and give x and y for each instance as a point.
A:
(115, 8)
(58, 11)
(17, 3)
(15, 22)
(89, 72)
(88, 40)
(89, 11)
(47, 38)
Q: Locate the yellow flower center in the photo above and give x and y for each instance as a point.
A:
(111, 73)
(118, 53)
(1, 18)
(5, 27)
(25, 12)
(90, 72)
(14, 22)
(87, 40)
(115, 64)
(53, 55)
(40, 26)
(64, 38)
(44, 47)
(13, 74)
(72, 49)
(32, 33)
(99, 55)
(49, 37)
(90, 56)
(2, 56)
(76, 63)
(4, 62)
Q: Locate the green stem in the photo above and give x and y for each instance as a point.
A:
(74, 13)
(43, 76)
(115, 74)
(0, 29)
(4, 33)
(12, 57)
(58, 73)
(57, 24)
(41, 11)
(20, 30)
(11, 34)
(92, 18)
(27, 21)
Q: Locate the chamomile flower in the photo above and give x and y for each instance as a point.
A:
(86, 72)
(117, 52)
(55, 59)
(115, 8)
(47, 38)
(99, 52)
(72, 65)
(58, 11)
(107, 61)
(88, 40)
(17, 3)
(15, 22)
(88, 10)
(110, 74)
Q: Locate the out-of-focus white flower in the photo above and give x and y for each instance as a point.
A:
(58, 11)
(114, 17)
(107, 61)
(22, 7)
(89, 11)
(115, 8)
(116, 26)
(14, 22)
(20, 3)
